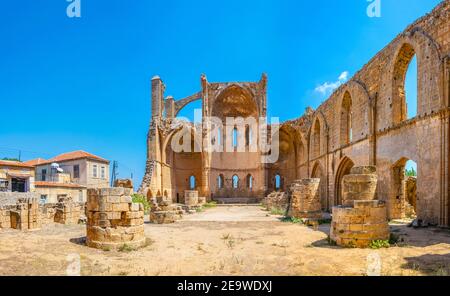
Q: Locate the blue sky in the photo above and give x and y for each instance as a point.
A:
(84, 83)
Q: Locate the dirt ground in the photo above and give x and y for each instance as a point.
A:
(226, 240)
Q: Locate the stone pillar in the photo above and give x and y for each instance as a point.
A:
(358, 226)
(26, 216)
(67, 212)
(305, 199)
(191, 198)
(113, 220)
(360, 184)
(361, 219)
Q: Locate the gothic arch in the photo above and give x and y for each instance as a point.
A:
(429, 94)
(344, 168)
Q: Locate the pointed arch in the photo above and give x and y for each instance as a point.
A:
(344, 168)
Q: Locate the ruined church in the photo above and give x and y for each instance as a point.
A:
(364, 122)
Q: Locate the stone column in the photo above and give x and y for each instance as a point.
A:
(360, 184)
(305, 199)
(113, 220)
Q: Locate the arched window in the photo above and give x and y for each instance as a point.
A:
(250, 182)
(192, 183)
(235, 137)
(220, 181)
(277, 182)
(219, 136)
(404, 97)
(346, 119)
(248, 136)
(316, 139)
(235, 182)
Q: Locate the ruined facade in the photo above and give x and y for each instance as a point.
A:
(364, 122)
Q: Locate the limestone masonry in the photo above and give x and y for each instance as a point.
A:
(113, 220)
(363, 123)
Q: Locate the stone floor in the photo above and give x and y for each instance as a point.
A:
(225, 240)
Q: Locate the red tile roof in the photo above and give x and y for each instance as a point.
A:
(15, 164)
(34, 162)
(68, 156)
(60, 185)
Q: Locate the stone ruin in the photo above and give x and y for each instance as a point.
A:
(125, 183)
(165, 212)
(361, 219)
(113, 220)
(68, 212)
(305, 199)
(26, 215)
(276, 200)
(22, 211)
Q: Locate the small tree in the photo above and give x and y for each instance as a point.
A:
(411, 173)
(10, 159)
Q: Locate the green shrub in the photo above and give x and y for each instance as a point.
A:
(292, 220)
(125, 248)
(211, 204)
(378, 244)
(137, 198)
(276, 211)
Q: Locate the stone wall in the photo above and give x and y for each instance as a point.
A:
(68, 212)
(305, 199)
(26, 215)
(164, 212)
(358, 226)
(276, 201)
(113, 220)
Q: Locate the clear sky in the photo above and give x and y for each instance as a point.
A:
(84, 83)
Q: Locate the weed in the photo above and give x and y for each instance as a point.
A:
(277, 211)
(379, 244)
(125, 248)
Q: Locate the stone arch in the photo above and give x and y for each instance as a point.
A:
(235, 182)
(317, 136)
(319, 173)
(361, 119)
(180, 104)
(429, 94)
(220, 181)
(316, 139)
(234, 101)
(249, 181)
(149, 195)
(345, 122)
(344, 168)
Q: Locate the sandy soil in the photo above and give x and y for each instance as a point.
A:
(225, 240)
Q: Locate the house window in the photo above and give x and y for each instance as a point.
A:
(3, 185)
(76, 171)
(80, 196)
(94, 171)
(103, 172)
(43, 199)
(44, 175)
